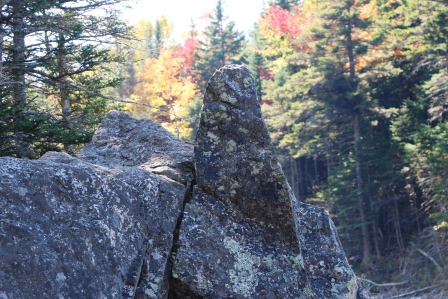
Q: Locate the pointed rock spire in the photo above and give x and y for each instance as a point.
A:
(244, 235)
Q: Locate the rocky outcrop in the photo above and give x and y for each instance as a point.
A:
(97, 226)
(132, 217)
(244, 235)
(123, 141)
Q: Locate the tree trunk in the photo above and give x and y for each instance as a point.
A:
(18, 56)
(367, 255)
(294, 171)
(397, 227)
(2, 36)
(296, 178)
(350, 53)
(375, 228)
(375, 220)
(3, 76)
(301, 185)
(293, 181)
(64, 90)
(306, 177)
(417, 213)
(221, 33)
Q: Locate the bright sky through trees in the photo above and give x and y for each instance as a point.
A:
(243, 12)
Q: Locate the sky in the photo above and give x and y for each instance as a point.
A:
(243, 12)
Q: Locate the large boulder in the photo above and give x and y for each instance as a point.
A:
(243, 234)
(97, 226)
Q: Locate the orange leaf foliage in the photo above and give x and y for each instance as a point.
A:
(368, 11)
(360, 64)
(165, 86)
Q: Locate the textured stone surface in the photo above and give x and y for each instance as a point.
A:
(244, 235)
(121, 140)
(96, 229)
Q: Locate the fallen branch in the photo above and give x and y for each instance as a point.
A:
(391, 284)
(430, 258)
(413, 292)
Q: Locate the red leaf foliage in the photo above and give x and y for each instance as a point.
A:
(283, 21)
(267, 102)
(265, 74)
(186, 51)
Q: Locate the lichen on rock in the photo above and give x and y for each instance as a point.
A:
(99, 225)
(244, 233)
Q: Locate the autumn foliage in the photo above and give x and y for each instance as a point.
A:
(284, 22)
(166, 89)
(186, 52)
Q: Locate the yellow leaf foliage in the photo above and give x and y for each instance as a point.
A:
(368, 10)
(144, 32)
(165, 87)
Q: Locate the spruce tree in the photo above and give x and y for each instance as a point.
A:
(256, 60)
(54, 56)
(221, 45)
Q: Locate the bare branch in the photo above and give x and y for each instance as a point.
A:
(430, 258)
(115, 99)
(413, 292)
(391, 284)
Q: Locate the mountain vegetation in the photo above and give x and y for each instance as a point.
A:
(55, 70)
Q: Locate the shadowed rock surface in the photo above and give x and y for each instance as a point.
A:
(97, 229)
(244, 235)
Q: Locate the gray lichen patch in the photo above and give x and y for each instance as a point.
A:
(231, 146)
(213, 137)
(243, 130)
(228, 99)
(244, 275)
(256, 167)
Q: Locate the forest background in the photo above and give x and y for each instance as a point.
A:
(354, 93)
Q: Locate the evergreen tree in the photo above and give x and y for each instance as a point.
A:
(341, 54)
(256, 60)
(52, 52)
(420, 128)
(285, 4)
(221, 45)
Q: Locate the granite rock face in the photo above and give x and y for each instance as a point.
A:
(97, 226)
(243, 234)
(123, 141)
